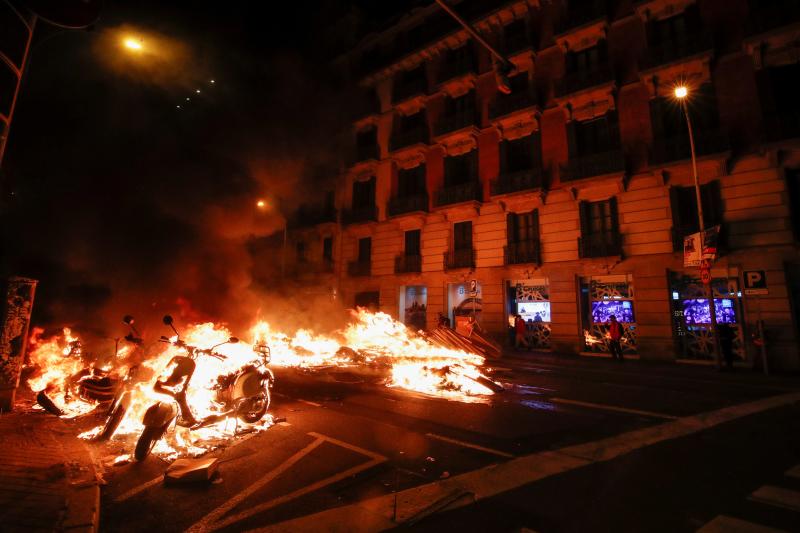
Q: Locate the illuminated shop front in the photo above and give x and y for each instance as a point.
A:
(530, 299)
(414, 306)
(691, 315)
(601, 297)
(460, 303)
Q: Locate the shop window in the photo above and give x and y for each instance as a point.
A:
(530, 299)
(683, 202)
(414, 306)
(599, 229)
(601, 297)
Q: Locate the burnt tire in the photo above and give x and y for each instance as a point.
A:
(150, 435)
(113, 421)
(252, 410)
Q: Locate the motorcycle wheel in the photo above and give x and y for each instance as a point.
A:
(113, 421)
(150, 435)
(253, 409)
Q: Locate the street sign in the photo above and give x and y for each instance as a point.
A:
(755, 282)
(705, 276)
(473, 288)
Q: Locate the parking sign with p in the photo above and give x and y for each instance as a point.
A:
(755, 282)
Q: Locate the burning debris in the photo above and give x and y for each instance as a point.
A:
(204, 412)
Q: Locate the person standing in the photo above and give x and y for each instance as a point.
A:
(726, 337)
(521, 330)
(615, 332)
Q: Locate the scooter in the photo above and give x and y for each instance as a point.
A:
(244, 394)
(122, 397)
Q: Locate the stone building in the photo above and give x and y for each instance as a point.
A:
(567, 200)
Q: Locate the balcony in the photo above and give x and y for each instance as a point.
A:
(357, 215)
(401, 205)
(589, 165)
(359, 268)
(600, 245)
(670, 51)
(404, 264)
(677, 148)
(455, 122)
(521, 180)
(366, 152)
(406, 89)
(785, 125)
(580, 13)
(454, 68)
(456, 194)
(505, 104)
(583, 79)
(523, 252)
(459, 258)
(403, 139)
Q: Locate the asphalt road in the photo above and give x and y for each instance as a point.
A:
(661, 464)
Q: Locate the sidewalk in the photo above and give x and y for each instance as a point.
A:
(48, 480)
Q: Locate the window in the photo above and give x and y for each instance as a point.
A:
(367, 144)
(588, 59)
(599, 229)
(327, 249)
(515, 36)
(523, 227)
(683, 202)
(411, 181)
(364, 193)
(364, 250)
(412, 243)
(300, 249)
(462, 236)
(520, 154)
(593, 136)
(460, 169)
(779, 104)
(462, 105)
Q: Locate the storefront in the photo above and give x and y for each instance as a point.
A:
(530, 299)
(691, 314)
(461, 302)
(414, 306)
(600, 298)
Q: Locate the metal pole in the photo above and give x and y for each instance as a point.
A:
(709, 286)
(475, 35)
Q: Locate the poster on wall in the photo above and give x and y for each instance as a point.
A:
(414, 306)
(532, 300)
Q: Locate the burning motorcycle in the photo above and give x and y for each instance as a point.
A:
(243, 395)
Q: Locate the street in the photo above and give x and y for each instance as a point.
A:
(348, 445)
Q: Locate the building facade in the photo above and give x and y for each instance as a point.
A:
(567, 200)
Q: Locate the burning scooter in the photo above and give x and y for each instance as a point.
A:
(243, 395)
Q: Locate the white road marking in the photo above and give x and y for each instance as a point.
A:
(204, 524)
(348, 446)
(469, 445)
(315, 404)
(728, 524)
(136, 490)
(793, 472)
(606, 407)
(777, 496)
(384, 512)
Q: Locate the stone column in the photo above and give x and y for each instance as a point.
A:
(14, 321)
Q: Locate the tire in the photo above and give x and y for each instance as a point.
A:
(113, 421)
(149, 437)
(252, 410)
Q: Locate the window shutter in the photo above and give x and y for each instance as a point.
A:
(677, 225)
(572, 144)
(583, 209)
(511, 228)
(535, 224)
(503, 157)
(612, 205)
(614, 140)
(711, 196)
(536, 150)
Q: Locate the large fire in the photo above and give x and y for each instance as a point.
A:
(407, 359)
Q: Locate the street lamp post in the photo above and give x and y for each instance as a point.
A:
(262, 205)
(681, 93)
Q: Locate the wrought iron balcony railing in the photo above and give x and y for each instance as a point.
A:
(669, 51)
(459, 258)
(455, 194)
(402, 139)
(404, 264)
(600, 245)
(589, 165)
(521, 180)
(505, 104)
(359, 268)
(455, 122)
(360, 214)
(583, 79)
(677, 148)
(400, 205)
(517, 253)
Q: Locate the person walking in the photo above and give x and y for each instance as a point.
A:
(615, 332)
(726, 337)
(521, 330)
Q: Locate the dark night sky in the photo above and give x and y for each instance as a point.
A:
(115, 199)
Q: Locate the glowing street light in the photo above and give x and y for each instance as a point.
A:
(681, 92)
(132, 44)
(261, 204)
